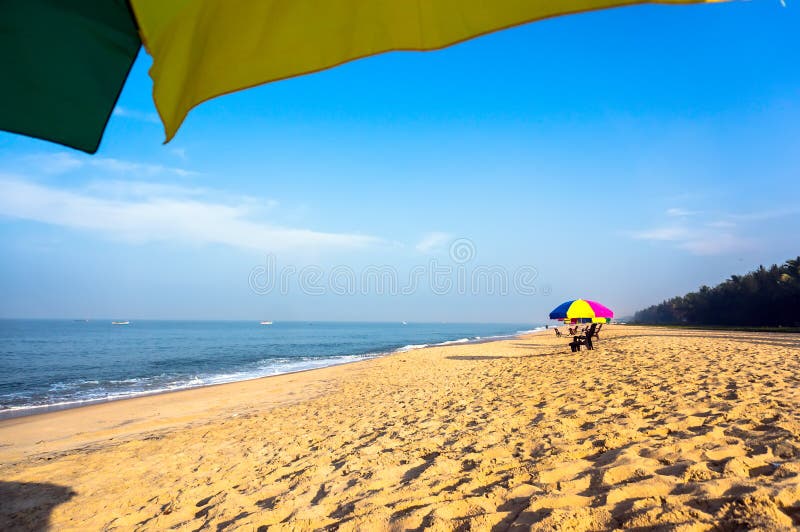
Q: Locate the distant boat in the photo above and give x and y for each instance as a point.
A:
(266, 323)
(120, 323)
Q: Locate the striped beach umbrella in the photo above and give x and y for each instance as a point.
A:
(65, 62)
(582, 310)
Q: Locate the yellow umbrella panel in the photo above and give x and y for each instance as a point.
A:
(203, 49)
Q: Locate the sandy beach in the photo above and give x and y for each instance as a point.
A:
(681, 430)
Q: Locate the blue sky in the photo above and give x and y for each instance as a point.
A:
(626, 156)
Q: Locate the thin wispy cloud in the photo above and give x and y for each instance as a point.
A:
(142, 169)
(123, 190)
(710, 233)
(433, 242)
(62, 162)
(162, 215)
(664, 234)
(713, 243)
(698, 240)
(680, 213)
(771, 214)
(55, 163)
(133, 114)
(721, 224)
(137, 190)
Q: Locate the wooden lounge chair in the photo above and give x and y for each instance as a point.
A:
(597, 331)
(585, 339)
(558, 333)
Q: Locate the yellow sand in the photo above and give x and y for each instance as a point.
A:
(655, 427)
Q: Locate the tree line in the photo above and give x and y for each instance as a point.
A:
(766, 297)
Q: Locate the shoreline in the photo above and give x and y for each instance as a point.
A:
(22, 412)
(165, 406)
(26, 411)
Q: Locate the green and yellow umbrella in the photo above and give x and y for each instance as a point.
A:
(65, 61)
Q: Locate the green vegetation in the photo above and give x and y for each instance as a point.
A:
(766, 297)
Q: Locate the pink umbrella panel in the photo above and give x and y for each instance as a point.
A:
(582, 311)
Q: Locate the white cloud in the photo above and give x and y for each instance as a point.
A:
(677, 212)
(756, 216)
(716, 244)
(142, 169)
(117, 189)
(669, 233)
(62, 162)
(133, 114)
(433, 242)
(141, 212)
(699, 240)
(717, 236)
(721, 224)
(55, 163)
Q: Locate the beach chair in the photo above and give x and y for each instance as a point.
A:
(558, 333)
(585, 339)
(597, 331)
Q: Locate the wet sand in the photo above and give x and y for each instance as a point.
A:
(659, 428)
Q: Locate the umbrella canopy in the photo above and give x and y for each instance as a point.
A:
(64, 63)
(582, 310)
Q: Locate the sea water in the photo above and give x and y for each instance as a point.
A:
(50, 364)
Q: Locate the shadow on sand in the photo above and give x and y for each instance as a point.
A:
(27, 505)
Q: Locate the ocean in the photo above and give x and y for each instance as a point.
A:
(51, 364)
